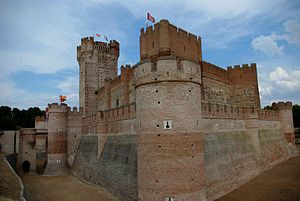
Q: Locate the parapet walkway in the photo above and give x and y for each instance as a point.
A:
(281, 183)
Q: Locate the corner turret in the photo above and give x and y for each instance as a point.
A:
(57, 140)
(286, 119)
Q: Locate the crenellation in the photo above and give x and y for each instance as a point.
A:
(215, 110)
(282, 106)
(269, 115)
(166, 39)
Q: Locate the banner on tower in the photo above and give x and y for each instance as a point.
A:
(150, 17)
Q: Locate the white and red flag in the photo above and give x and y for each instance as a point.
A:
(98, 35)
(150, 18)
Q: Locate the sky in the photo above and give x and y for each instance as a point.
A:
(38, 41)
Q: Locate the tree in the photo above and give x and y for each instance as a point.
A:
(15, 119)
(296, 115)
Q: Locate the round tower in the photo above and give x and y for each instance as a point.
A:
(168, 116)
(57, 140)
(286, 118)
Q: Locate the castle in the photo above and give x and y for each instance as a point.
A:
(171, 127)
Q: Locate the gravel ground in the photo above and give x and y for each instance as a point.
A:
(281, 183)
(9, 184)
(63, 188)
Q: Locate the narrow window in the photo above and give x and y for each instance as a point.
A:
(152, 44)
(117, 102)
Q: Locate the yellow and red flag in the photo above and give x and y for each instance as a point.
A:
(62, 98)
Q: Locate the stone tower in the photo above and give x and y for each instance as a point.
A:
(245, 85)
(97, 61)
(286, 118)
(57, 140)
(168, 115)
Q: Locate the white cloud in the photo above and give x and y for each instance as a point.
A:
(292, 27)
(267, 45)
(13, 96)
(42, 39)
(286, 80)
(70, 88)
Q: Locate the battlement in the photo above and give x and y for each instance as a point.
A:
(115, 114)
(39, 118)
(166, 39)
(282, 106)
(226, 111)
(215, 72)
(244, 66)
(88, 45)
(268, 114)
(244, 74)
(87, 40)
(55, 107)
(167, 68)
(179, 31)
(74, 111)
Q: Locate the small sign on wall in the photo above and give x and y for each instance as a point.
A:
(167, 124)
(169, 199)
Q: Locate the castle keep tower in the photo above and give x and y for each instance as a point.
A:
(168, 116)
(97, 61)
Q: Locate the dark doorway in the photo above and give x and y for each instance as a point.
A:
(26, 166)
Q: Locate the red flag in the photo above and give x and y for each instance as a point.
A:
(98, 35)
(150, 17)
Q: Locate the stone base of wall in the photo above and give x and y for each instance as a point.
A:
(116, 167)
(57, 165)
(290, 137)
(234, 157)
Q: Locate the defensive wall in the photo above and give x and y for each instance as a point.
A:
(198, 129)
(236, 86)
(235, 143)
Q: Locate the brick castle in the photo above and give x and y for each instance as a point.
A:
(171, 127)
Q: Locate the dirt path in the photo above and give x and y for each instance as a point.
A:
(9, 184)
(281, 183)
(63, 188)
